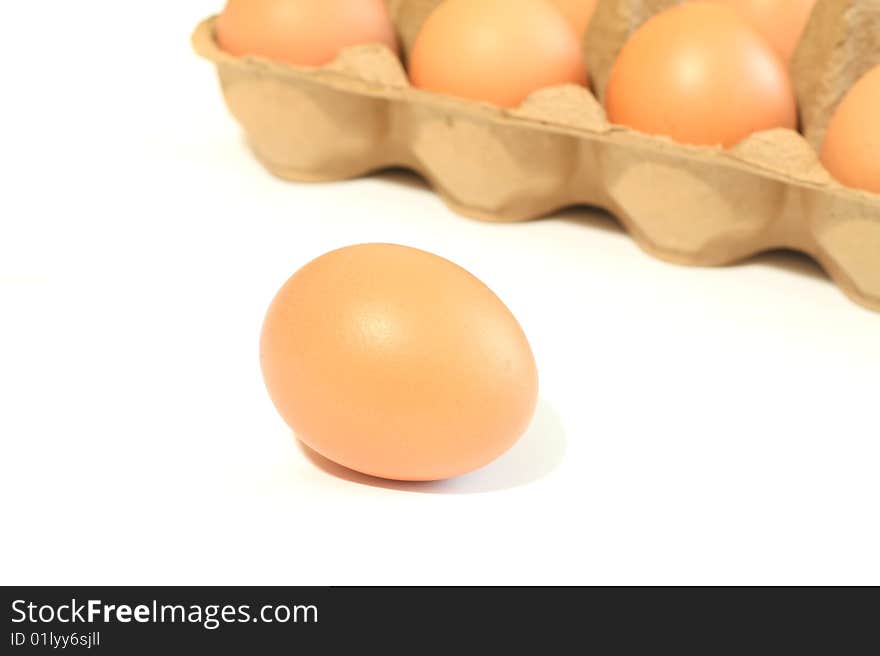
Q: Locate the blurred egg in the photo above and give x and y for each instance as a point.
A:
(578, 12)
(699, 73)
(397, 363)
(851, 151)
(782, 22)
(495, 51)
(302, 32)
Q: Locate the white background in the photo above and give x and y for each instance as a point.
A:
(696, 426)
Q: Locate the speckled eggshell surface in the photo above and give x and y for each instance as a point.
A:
(397, 363)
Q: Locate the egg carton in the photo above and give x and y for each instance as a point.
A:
(692, 205)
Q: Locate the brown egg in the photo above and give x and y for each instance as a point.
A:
(495, 51)
(302, 32)
(578, 12)
(782, 22)
(700, 74)
(397, 363)
(851, 151)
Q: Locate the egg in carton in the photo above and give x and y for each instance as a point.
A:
(694, 205)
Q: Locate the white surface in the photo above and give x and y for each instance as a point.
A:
(697, 426)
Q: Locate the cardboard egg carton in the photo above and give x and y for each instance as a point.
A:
(693, 205)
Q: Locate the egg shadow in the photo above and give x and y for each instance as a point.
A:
(788, 260)
(401, 177)
(537, 453)
(590, 216)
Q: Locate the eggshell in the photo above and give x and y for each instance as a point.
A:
(851, 151)
(578, 12)
(782, 22)
(397, 363)
(302, 32)
(495, 51)
(700, 74)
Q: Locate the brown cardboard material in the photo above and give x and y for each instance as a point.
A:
(688, 204)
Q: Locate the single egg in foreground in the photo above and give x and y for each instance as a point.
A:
(397, 363)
